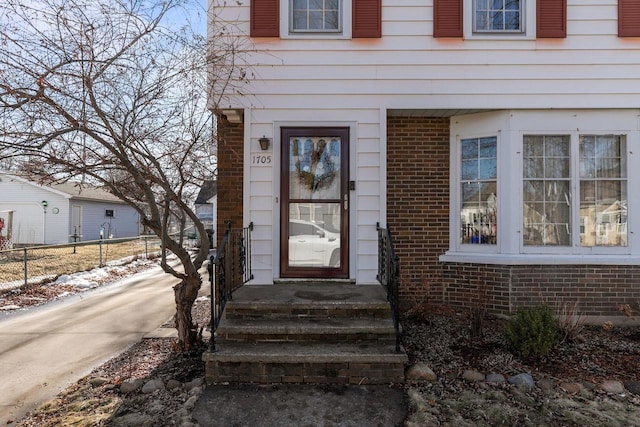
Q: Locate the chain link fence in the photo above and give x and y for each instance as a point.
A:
(19, 267)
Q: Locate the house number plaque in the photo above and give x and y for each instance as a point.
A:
(261, 159)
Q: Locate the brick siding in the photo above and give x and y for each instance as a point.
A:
(418, 202)
(230, 172)
(598, 289)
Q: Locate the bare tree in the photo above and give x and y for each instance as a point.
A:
(106, 93)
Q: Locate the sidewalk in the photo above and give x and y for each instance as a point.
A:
(300, 405)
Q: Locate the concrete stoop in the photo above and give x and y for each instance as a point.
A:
(306, 333)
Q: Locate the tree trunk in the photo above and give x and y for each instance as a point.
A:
(186, 293)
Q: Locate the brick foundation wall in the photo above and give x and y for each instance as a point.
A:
(476, 285)
(230, 173)
(598, 289)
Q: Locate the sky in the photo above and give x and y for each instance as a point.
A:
(196, 15)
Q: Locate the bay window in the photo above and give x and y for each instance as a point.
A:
(534, 186)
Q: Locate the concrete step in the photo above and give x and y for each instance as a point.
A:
(306, 333)
(306, 329)
(339, 363)
(308, 300)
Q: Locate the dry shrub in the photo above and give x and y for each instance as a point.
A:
(570, 321)
(626, 310)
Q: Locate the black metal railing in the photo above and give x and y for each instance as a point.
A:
(229, 269)
(389, 275)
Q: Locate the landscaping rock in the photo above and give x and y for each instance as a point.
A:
(152, 385)
(495, 378)
(633, 386)
(547, 385)
(472, 376)
(420, 372)
(613, 387)
(97, 382)
(571, 388)
(524, 381)
(173, 384)
(131, 386)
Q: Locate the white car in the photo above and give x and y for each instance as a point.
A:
(310, 245)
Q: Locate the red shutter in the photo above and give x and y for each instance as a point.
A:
(551, 20)
(447, 18)
(367, 19)
(628, 18)
(265, 18)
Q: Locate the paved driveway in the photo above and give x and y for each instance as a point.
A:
(45, 349)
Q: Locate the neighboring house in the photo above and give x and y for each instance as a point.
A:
(499, 142)
(63, 213)
(206, 210)
(206, 202)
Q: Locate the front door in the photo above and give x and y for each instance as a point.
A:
(314, 212)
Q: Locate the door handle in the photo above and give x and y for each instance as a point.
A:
(346, 202)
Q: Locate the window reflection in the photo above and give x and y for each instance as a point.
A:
(603, 190)
(314, 235)
(314, 168)
(546, 190)
(498, 15)
(315, 15)
(478, 212)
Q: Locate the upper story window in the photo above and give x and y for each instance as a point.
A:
(336, 19)
(498, 16)
(315, 16)
(490, 19)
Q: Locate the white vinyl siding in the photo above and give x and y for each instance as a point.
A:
(408, 68)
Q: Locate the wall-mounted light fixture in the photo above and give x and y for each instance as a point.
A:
(44, 204)
(264, 143)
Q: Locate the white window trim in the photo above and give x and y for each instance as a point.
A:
(455, 202)
(510, 249)
(528, 23)
(286, 25)
(538, 259)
